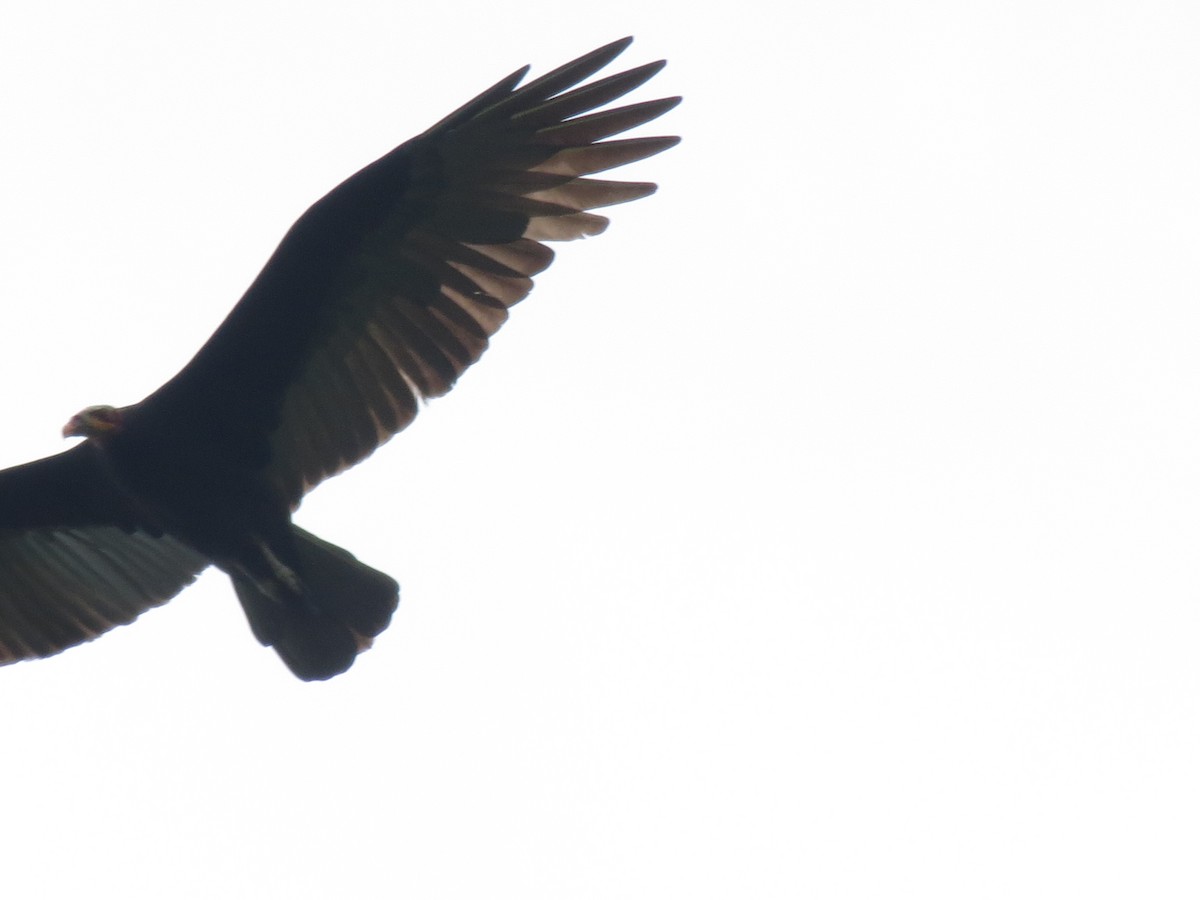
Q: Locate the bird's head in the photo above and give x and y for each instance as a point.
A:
(94, 422)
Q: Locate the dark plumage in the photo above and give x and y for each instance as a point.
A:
(380, 295)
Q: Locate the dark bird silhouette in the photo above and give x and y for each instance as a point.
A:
(380, 295)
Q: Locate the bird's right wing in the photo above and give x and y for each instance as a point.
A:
(73, 563)
(391, 286)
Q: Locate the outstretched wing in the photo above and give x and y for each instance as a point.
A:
(390, 286)
(73, 562)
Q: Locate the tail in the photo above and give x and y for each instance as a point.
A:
(321, 618)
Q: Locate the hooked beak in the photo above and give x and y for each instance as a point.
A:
(73, 428)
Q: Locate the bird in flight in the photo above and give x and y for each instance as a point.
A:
(379, 296)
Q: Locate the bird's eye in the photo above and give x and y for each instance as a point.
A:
(104, 417)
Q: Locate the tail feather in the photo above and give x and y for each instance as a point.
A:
(342, 605)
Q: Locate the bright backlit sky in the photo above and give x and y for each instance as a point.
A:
(826, 529)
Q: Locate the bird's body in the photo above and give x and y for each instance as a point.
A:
(382, 294)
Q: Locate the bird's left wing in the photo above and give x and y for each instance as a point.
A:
(73, 562)
(390, 286)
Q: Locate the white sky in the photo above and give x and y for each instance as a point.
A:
(826, 529)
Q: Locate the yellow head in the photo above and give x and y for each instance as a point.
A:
(94, 422)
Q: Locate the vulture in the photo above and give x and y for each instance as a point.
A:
(380, 295)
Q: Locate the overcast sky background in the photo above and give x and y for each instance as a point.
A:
(826, 529)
